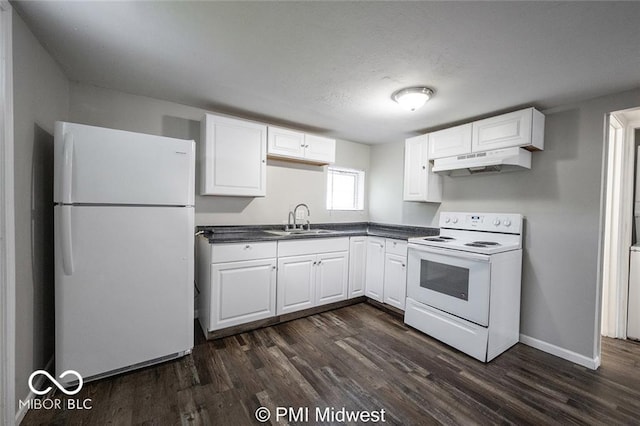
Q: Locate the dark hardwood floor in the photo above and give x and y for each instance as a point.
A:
(363, 359)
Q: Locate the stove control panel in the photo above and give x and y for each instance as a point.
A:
(510, 223)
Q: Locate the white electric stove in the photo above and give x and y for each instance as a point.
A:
(463, 286)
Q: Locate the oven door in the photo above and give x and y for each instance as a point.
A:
(453, 281)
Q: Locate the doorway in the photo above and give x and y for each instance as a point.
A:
(619, 211)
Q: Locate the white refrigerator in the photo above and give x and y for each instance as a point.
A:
(124, 249)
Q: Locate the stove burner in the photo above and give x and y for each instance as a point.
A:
(487, 243)
(483, 244)
(439, 239)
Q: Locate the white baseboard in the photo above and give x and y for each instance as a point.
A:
(23, 411)
(591, 363)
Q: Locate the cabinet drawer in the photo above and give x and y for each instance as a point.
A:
(243, 251)
(312, 246)
(398, 247)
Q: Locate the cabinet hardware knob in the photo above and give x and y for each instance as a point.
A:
(247, 247)
(273, 267)
(424, 167)
(403, 265)
(315, 263)
(319, 262)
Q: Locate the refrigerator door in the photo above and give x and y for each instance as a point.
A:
(124, 286)
(93, 165)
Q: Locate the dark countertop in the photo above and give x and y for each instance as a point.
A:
(237, 234)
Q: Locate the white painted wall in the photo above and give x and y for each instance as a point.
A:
(41, 96)
(560, 199)
(287, 183)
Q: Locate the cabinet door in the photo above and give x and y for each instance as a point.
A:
(320, 149)
(235, 157)
(332, 272)
(286, 143)
(296, 289)
(450, 142)
(395, 280)
(503, 131)
(357, 264)
(374, 277)
(420, 183)
(242, 292)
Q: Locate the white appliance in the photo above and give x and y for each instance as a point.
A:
(124, 241)
(498, 160)
(633, 308)
(463, 286)
(633, 316)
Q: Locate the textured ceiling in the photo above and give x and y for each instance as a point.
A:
(332, 66)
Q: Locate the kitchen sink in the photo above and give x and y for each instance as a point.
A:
(301, 232)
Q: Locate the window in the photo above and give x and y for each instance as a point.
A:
(345, 189)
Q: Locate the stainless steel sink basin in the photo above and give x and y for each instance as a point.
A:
(301, 232)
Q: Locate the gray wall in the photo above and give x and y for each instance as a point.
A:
(41, 96)
(560, 199)
(287, 183)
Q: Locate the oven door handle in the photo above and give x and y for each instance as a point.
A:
(459, 254)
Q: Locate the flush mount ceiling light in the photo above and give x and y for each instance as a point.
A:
(412, 98)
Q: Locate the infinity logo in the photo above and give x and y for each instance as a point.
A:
(55, 382)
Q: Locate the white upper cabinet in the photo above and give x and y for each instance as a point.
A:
(302, 147)
(320, 149)
(420, 183)
(450, 142)
(285, 143)
(235, 153)
(524, 128)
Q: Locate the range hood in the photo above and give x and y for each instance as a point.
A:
(499, 160)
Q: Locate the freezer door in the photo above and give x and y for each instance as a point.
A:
(104, 166)
(124, 286)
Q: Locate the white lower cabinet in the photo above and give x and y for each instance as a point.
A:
(237, 283)
(244, 282)
(311, 273)
(386, 271)
(296, 283)
(395, 280)
(374, 277)
(242, 292)
(357, 266)
(332, 276)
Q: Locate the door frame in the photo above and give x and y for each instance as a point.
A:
(630, 120)
(7, 228)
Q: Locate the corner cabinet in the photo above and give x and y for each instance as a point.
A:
(234, 157)
(292, 145)
(420, 183)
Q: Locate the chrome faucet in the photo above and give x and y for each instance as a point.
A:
(288, 227)
(295, 211)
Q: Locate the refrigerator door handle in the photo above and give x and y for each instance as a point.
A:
(67, 168)
(66, 240)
